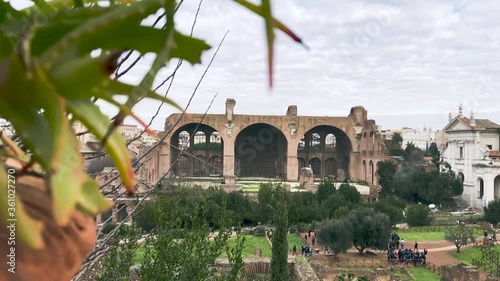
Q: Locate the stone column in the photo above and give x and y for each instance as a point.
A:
(228, 160)
(292, 163)
(208, 134)
(489, 188)
(164, 160)
(98, 218)
(114, 214)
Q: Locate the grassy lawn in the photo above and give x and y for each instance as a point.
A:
(423, 274)
(252, 242)
(139, 254)
(411, 237)
(466, 255)
(294, 239)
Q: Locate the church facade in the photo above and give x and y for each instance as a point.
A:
(473, 153)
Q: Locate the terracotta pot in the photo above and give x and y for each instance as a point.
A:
(65, 247)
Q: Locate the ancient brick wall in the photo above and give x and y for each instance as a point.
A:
(459, 272)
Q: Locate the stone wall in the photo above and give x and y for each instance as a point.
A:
(302, 271)
(459, 272)
(299, 271)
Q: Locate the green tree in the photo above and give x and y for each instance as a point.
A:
(391, 207)
(419, 215)
(415, 184)
(492, 212)
(264, 198)
(460, 235)
(386, 172)
(325, 189)
(341, 212)
(332, 204)
(435, 154)
(370, 229)
(144, 218)
(394, 145)
(397, 139)
(119, 258)
(350, 193)
(279, 261)
(181, 250)
(336, 235)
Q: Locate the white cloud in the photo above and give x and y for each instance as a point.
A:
(416, 60)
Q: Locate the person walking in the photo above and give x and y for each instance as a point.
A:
(294, 253)
(402, 244)
(416, 246)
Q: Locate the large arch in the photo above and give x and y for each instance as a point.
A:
(480, 183)
(326, 142)
(496, 184)
(193, 145)
(260, 151)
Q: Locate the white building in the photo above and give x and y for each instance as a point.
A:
(420, 138)
(473, 154)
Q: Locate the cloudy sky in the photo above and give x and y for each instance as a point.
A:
(409, 63)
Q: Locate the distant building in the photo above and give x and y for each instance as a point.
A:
(473, 152)
(420, 138)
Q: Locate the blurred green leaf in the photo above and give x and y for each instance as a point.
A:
(39, 123)
(92, 201)
(68, 178)
(98, 124)
(120, 17)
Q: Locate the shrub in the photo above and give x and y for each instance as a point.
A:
(107, 228)
(492, 212)
(259, 231)
(419, 216)
(302, 227)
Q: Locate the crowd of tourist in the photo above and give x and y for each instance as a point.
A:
(397, 252)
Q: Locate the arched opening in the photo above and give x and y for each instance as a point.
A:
(261, 151)
(315, 142)
(496, 183)
(122, 212)
(215, 143)
(481, 188)
(326, 142)
(330, 142)
(183, 166)
(461, 176)
(192, 145)
(364, 171)
(331, 168)
(200, 141)
(316, 167)
(183, 139)
(215, 164)
(372, 171)
(199, 166)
